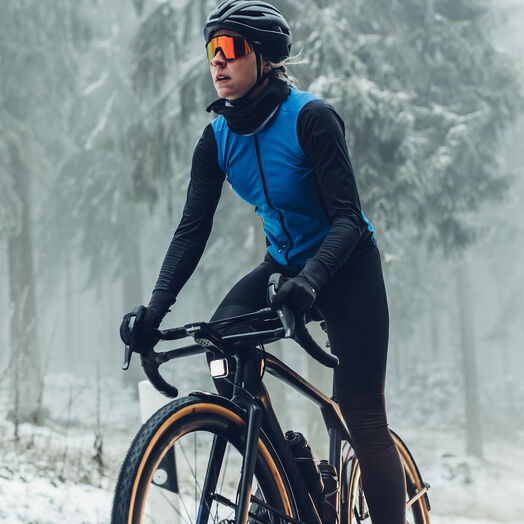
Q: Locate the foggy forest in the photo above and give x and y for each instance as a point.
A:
(101, 105)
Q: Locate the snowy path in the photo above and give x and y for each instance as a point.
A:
(50, 477)
(38, 502)
(465, 490)
(435, 519)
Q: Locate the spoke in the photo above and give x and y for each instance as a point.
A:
(190, 468)
(180, 491)
(272, 511)
(225, 467)
(364, 513)
(205, 491)
(161, 491)
(195, 464)
(359, 510)
(232, 514)
(214, 465)
(228, 448)
(185, 507)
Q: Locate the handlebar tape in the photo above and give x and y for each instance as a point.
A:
(304, 339)
(151, 366)
(300, 332)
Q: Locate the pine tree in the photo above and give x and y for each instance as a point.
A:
(91, 205)
(423, 90)
(37, 56)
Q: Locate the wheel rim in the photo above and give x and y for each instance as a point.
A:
(359, 512)
(177, 483)
(171, 477)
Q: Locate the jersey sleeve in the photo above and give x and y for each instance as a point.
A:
(191, 235)
(321, 135)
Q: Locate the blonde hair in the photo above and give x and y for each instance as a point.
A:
(279, 69)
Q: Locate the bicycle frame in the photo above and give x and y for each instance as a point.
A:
(331, 413)
(262, 418)
(250, 394)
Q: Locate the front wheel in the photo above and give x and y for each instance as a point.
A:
(184, 467)
(354, 506)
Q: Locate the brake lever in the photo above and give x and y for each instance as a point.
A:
(286, 316)
(127, 349)
(288, 321)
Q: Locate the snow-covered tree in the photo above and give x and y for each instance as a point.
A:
(38, 46)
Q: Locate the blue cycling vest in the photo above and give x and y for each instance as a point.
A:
(270, 171)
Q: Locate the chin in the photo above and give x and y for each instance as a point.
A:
(231, 94)
(228, 94)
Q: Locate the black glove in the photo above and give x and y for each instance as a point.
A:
(296, 293)
(143, 336)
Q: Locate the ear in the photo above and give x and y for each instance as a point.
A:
(266, 68)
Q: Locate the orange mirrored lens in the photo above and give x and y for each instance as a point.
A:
(231, 46)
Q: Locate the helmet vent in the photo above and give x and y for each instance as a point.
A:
(257, 21)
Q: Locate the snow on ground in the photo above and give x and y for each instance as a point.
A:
(466, 490)
(437, 519)
(50, 474)
(36, 500)
(50, 477)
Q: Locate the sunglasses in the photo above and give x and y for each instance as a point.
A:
(231, 46)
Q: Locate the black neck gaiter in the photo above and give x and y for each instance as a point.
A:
(249, 115)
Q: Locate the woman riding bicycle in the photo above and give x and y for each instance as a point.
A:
(283, 151)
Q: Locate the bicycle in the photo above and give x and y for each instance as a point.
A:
(206, 457)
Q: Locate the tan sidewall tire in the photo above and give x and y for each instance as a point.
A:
(145, 454)
(410, 471)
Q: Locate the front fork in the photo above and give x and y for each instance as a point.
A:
(335, 459)
(248, 463)
(247, 381)
(243, 498)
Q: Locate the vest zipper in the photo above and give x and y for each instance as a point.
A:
(281, 218)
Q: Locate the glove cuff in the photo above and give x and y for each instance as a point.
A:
(310, 284)
(316, 273)
(160, 303)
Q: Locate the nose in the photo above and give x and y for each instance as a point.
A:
(219, 59)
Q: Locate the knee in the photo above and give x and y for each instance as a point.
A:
(367, 423)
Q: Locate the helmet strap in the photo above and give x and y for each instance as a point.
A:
(260, 79)
(259, 74)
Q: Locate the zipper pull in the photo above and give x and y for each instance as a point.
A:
(283, 246)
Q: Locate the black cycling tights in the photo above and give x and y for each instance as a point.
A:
(355, 309)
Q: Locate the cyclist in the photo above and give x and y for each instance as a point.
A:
(283, 151)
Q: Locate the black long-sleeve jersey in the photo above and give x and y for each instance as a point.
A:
(320, 133)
